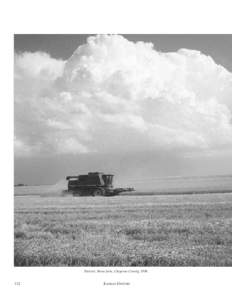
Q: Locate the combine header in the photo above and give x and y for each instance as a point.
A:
(93, 184)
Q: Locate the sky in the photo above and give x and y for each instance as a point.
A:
(138, 106)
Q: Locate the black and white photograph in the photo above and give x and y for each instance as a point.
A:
(122, 150)
(116, 150)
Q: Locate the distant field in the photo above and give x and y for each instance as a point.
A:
(150, 186)
(167, 230)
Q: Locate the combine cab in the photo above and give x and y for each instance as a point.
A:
(93, 184)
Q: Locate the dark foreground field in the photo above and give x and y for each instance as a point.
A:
(178, 230)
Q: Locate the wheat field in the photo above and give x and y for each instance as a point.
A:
(163, 230)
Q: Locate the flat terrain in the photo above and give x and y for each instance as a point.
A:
(168, 230)
(148, 186)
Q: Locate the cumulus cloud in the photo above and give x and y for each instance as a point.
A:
(116, 95)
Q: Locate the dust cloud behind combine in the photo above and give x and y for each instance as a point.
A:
(54, 190)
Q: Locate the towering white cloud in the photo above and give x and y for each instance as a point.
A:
(117, 95)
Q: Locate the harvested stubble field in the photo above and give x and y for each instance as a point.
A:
(168, 230)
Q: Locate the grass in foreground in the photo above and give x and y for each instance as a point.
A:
(179, 230)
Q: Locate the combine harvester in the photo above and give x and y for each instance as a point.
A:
(93, 184)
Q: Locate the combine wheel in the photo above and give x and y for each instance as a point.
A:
(97, 192)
